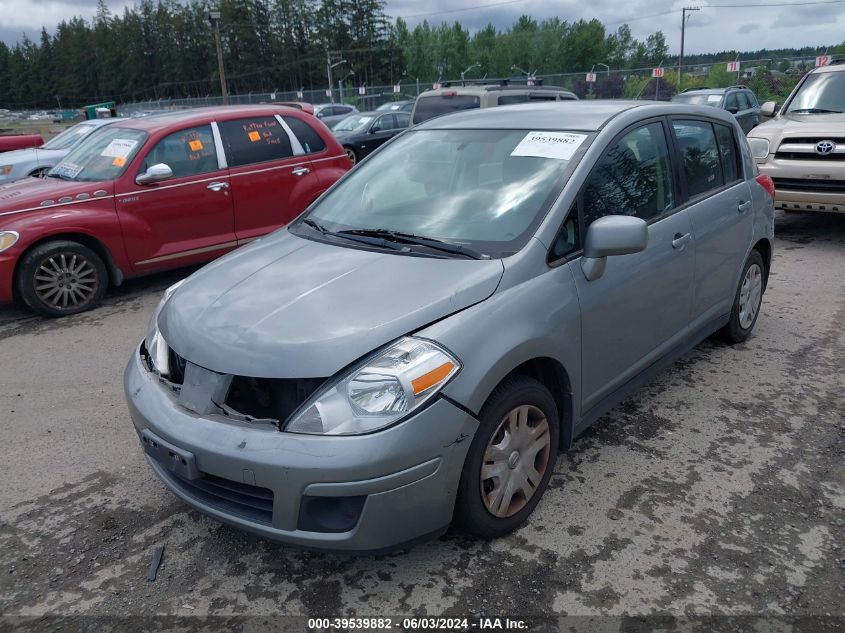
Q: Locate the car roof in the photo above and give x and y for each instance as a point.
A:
(200, 116)
(836, 66)
(480, 89)
(584, 116)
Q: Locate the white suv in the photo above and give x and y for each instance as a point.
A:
(803, 147)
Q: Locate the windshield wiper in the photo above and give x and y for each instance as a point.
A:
(353, 237)
(410, 238)
(814, 111)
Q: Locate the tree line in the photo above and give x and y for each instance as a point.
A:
(165, 49)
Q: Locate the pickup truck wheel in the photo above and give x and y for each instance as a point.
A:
(510, 460)
(61, 278)
(746, 305)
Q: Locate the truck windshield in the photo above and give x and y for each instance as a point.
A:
(102, 156)
(482, 189)
(821, 93)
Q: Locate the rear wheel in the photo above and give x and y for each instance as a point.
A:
(61, 278)
(351, 154)
(747, 301)
(511, 458)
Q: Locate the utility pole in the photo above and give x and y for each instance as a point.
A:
(329, 67)
(684, 19)
(214, 21)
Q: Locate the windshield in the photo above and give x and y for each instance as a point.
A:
(354, 123)
(70, 136)
(102, 156)
(698, 99)
(435, 105)
(820, 93)
(483, 189)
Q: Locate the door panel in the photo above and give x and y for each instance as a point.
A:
(181, 220)
(270, 185)
(636, 311)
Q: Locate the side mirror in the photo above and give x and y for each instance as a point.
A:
(156, 173)
(769, 108)
(733, 109)
(612, 235)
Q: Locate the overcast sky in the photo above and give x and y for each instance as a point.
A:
(709, 30)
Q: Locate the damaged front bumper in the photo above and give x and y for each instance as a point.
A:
(364, 493)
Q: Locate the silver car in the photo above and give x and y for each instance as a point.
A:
(39, 160)
(418, 347)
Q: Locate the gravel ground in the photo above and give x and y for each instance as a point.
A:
(718, 490)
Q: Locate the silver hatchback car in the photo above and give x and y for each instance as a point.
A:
(419, 345)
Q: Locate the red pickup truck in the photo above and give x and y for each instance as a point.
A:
(9, 142)
(164, 191)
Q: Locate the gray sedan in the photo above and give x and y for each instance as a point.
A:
(418, 347)
(39, 160)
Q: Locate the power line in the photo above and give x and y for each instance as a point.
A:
(473, 8)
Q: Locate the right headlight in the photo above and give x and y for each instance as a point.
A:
(8, 239)
(379, 391)
(154, 342)
(5, 170)
(759, 147)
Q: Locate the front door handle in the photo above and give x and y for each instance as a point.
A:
(218, 186)
(301, 171)
(742, 207)
(681, 240)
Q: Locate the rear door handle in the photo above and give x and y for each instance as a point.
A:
(681, 240)
(301, 171)
(218, 186)
(742, 207)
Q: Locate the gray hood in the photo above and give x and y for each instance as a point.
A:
(288, 307)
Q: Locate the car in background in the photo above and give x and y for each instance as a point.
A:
(803, 147)
(168, 190)
(36, 161)
(406, 105)
(454, 96)
(362, 133)
(299, 105)
(738, 100)
(332, 113)
(11, 142)
(420, 345)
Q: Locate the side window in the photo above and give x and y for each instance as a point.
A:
(731, 101)
(752, 99)
(403, 119)
(632, 178)
(727, 151)
(254, 140)
(744, 102)
(187, 152)
(700, 154)
(567, 240)
(308, 137)
(385, 122)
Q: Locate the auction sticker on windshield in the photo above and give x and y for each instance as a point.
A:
(119, 148)
(560, 145)
(67, 170)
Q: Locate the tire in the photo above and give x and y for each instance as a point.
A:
(61, 278)
(477, 495)
(351, 154)
(741, 323)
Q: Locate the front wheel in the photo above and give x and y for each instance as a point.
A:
(61, 278)
(350, 154)
(510, 460)
(747, 301)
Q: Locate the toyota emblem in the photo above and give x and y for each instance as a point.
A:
(825, 147)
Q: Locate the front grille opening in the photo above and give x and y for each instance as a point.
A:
(252, 503)
(274, 398)
(810, 185)
(177, 367)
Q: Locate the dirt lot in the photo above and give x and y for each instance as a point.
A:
(717, 490)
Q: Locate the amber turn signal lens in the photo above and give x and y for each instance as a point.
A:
(428, 380)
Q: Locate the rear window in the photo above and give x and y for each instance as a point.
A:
(254, 140)
(699, 99)
(307, 136)
(435, 105)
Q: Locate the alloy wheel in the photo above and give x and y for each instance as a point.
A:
(750, 295)
(66, 280)
(350, 153)
(515, 460)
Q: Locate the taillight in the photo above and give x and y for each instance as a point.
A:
(767, 183)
